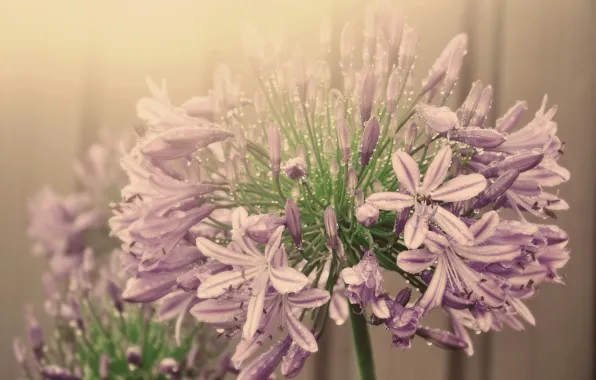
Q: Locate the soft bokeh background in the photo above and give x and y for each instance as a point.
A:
(68, 68)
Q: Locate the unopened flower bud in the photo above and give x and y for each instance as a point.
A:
(393, 90)
(367, 94)
(274, 141)
(293, 362)
(444, 63)
(169, 366)
(439, 119)
(496, 189)
(478, 137)
(295, 168)
(370, 138)
(512, 116)
(483, 106)
(115, 294)
(293, 222)
(521, 162)
(230, 172)
(344, 139)
(403, 297)
(410, 137)
(133, 356)
(35, 334)
(352, 180)
(19, 350)
(240, 140)
(358, 198)
(331, 227)
(407, 50)
(441, 338)
(377, 186)
(104, 367)
(466, 111)
(367, 215)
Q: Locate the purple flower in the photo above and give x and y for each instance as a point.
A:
(367, 215)
(293, 362)
(365, 285)
(452, 265)
(425, 197)
(264, 365)
(134, 356)
(258, 271)
(295, 168)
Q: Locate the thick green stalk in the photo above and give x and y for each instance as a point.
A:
(362, 345)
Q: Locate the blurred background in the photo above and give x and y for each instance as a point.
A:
(68, 68)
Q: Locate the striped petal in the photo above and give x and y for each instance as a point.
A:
(523, 310)
(437, 170)
(220, 283)
(299, 333)
(460, 188)
(407, 171)
(379, 308)
(224, 255)
(308, 299)
(416, 260)
(415, 230)
(488, 253)
(390, 201)
(217, 311)
(485, 227)
(453, 226)
(254, 313)
(274, 244)
(287, 280)
(433, 295)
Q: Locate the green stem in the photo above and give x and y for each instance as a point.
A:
(362, 345)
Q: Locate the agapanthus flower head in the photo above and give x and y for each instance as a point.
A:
(379, 179)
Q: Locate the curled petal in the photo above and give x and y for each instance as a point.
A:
(379, 308)
(407, 171)
(339, 308)
(433, 295)
(350, 277)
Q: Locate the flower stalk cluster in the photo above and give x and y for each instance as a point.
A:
(265, 215)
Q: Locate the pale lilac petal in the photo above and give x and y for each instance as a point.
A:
(437, 170)
(264, 365)
(148, 287)
(460, 331)
(433, 295)
(407, 171)
(453, 226)
(460, 188)
(173, 304)
(224, 255)
(512, 116)
(299, 333)
(478, 137)
(339, 308)
(379, 308)
(523, 310)
(415, 230)
(416, 260)
(350, 277)
(220, 283)
(489, 253)
(308, 299)
(239, 217)
(254, 313)
(273, 245)
(435, 242)
(217, 311)
(439, 119)
(485, 227)
(390, 201)
(441, 338)
(287, 280)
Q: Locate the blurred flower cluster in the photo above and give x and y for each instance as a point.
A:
(94, 333)
(266, 215)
